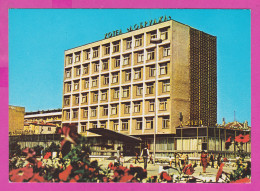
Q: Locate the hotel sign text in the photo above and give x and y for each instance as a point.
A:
(138, 26)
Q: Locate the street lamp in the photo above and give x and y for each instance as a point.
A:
(155, 41)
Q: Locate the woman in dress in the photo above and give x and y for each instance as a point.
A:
(203, 160)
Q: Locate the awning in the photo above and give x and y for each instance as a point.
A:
(112, 135)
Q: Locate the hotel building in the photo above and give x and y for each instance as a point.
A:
(153, 79)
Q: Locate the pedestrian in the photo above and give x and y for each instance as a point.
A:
(203, 160)
(151, 158)
(212, 160)
(177, 161)
(182, 159)
(186, 159)
(136, 158)
(121, 160)
(145, 154)
(218, 161)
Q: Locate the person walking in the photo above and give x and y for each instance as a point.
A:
(136, 158)
(203, 160)
(145, 154)
(151, 158)
(212, 160)
(177, 161)
(218, 161)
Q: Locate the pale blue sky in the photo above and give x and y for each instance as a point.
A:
(38, 38)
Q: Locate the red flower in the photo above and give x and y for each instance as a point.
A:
(188, 169)
(165, 176)
(91, 169)
(65, 174)
(105, 179)
(220, 170)
(242, 138)
(111, 166)
(47, 155)
(126, 178)
(86, 167)
(37, 178)
(21, 174)
(73, 180)
(228, 140)
(243, 180)
(76, 177)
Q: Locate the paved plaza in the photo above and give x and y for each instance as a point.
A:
(154, 170)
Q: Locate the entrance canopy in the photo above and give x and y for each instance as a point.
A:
(109, 134)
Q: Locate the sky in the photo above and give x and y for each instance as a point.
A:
(39, 37)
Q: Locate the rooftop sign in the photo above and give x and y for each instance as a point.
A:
(138, 26)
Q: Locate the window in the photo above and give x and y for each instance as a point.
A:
(77, 71)
(166, 51)
(164, 35)
(93, 112)
(94, 82)
(117, 62)
(94, 125)
(68, 87)
(67, 101)
(137, 106)
(77, 57)
(68, 74)
(113, 109)
(151, 106)
(85, 69)
(139, 90)
(127, 75)
(107, 50)
(127, 108)
(70, 60)
(126, 60)
(125, 92)
(153, 35)
(104, 96)
(105, 65)
(96, 67)
(85, 113)
(128, 44)
(103, 125)
(105, 111)
(86, 83)
(152, 71)
(75, 114)
(84, 98)
(76, 100)
(106, 80)
(150, 55)
(166, 86)
(137, 73)
(95, 53)
(67, 115)
(165, 123)
(95, 96)
(163, 69)
(149, 123)
(138, 41)
(140, 57)
(49, 128)
(149, 88)
(116, 93)
(115, 78)
(116, 47)
(115, 126)
(163, 104)
(139, 124)
(76, 85)
(124, 125)
(83, 128)
(87, 54)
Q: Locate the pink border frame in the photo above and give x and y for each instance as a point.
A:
(254, 5)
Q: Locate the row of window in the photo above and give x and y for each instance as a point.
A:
(148, 124)
(163, 70)
(138, 42)
(125, 93)
(126, 108)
